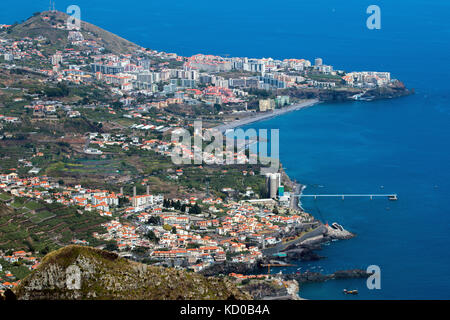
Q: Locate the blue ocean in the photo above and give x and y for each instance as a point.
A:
(392, 146)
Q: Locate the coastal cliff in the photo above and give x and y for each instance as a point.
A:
(394, 90)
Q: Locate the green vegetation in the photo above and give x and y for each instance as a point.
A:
(35, 226)
(57, 39)
(325, 77)
(18, 269)
(198, 178)
(111, 277)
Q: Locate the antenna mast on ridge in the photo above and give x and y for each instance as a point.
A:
(51, 6)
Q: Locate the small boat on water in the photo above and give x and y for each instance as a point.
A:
(393, 197)
(350, 291)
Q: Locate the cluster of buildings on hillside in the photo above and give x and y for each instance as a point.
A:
(99, 143)
(7, 279)
(168, 79)
(102, 201)
(130, 73)
(21, 50)
(196, 242)
(188, 82)
(238, 234)
(7, 119)
(367, 79)
(227, 230)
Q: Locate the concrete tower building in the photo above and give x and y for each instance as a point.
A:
(273, 181)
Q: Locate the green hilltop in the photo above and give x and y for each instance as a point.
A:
(45, 24)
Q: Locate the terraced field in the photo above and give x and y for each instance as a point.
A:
(36, 226)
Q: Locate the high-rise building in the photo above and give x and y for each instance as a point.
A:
(149, 77)
(281, 101)
(273, 182)
(57, 59)
(106, 69)
(318, 62)
(258, 67)
(266, 105)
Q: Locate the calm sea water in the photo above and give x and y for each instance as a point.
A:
(401, 144)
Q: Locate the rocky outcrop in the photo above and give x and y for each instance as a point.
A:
(263, 289)
(319, 277)
(77, 272)
(303, 253)
(394, 90)
(226, 268)
(338, 234)
(275, 289)
(348, 274)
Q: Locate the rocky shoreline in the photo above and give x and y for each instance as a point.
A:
(304, 250)
(394, 90)
(308, 276)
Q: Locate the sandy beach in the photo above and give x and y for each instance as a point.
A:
(266, 115)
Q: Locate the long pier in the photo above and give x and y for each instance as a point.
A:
(392, 196)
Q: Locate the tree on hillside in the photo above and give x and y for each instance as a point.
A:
(111, 247)
(195, 209)
(152, 237)
(45, 250)
(154, 220)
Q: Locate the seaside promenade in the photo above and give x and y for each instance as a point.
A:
(266, 115)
